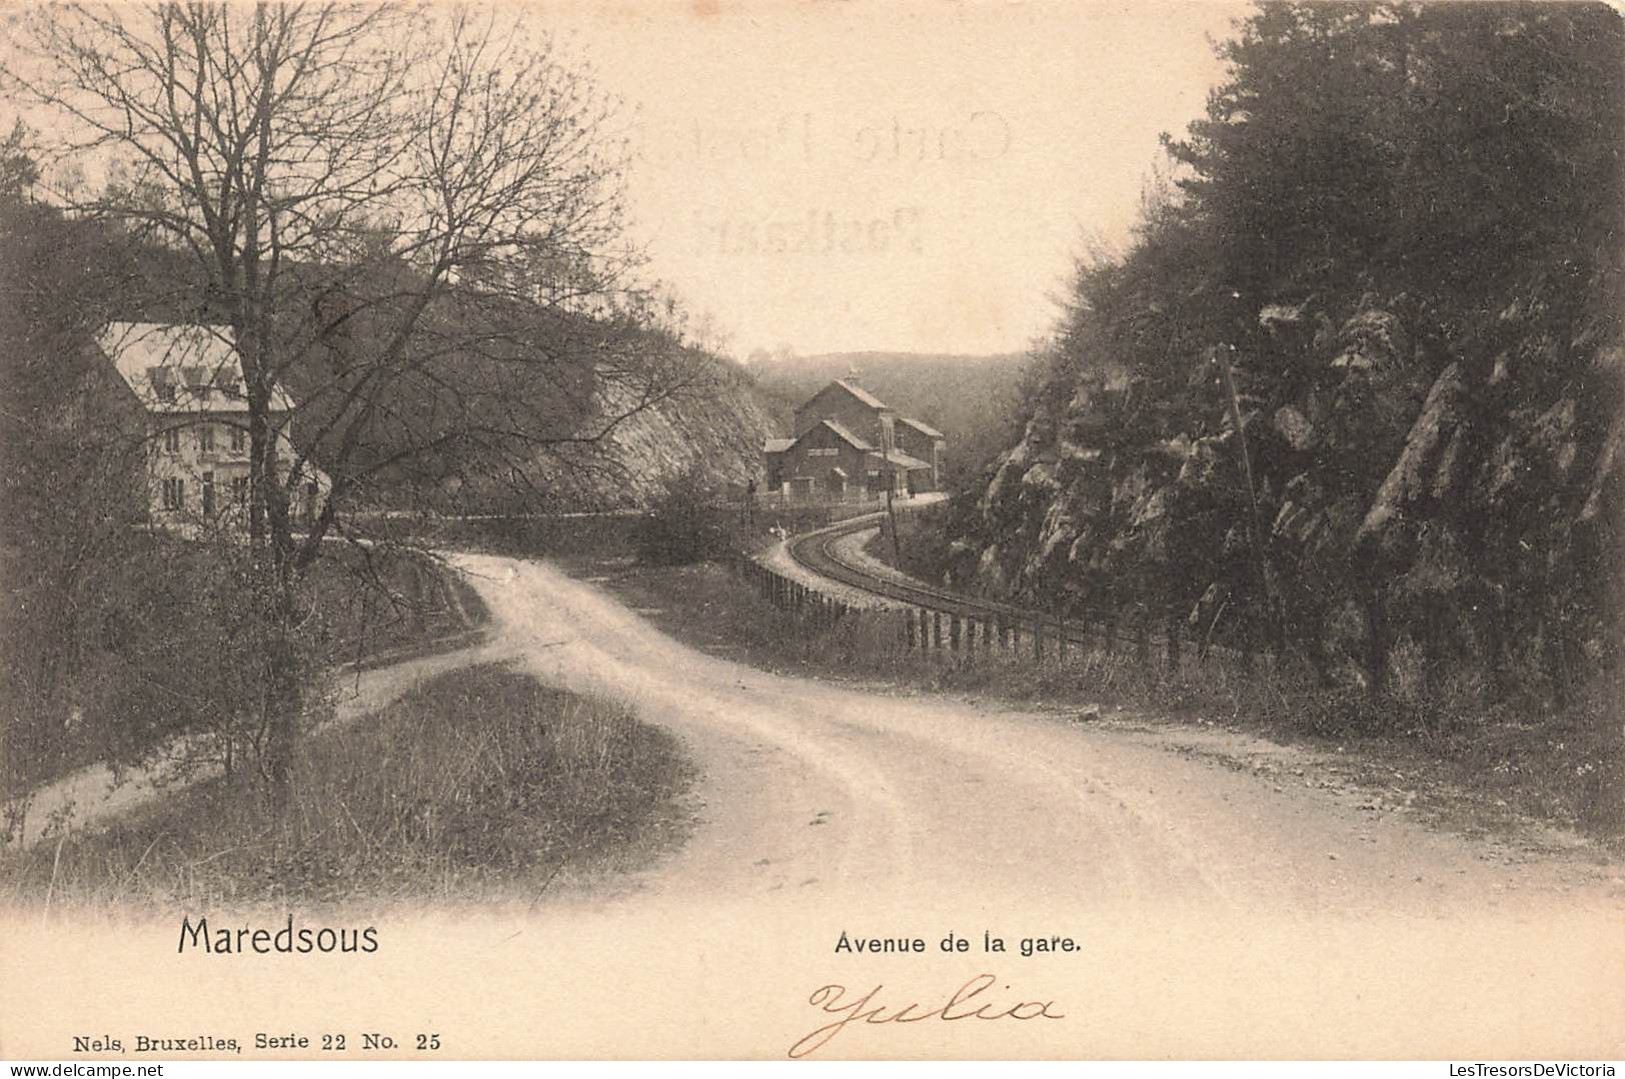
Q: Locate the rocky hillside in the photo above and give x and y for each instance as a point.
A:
(715, 427)
(1355, 393)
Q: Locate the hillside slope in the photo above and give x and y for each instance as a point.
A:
(716, 428)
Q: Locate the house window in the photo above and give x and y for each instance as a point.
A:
(824, 452)
(205, 438)
(239, 490)
(174, 493)
(208, 494)
(172, 440)
(239, 440)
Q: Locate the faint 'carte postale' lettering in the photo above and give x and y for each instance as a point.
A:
(964, 137)
(811, 231)
(836, 149)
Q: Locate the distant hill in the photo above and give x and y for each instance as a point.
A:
(970, 399)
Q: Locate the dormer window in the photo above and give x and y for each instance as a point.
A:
(163, 386)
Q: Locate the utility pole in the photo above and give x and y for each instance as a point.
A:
(887, 446)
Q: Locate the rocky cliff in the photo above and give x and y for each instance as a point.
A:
(1356, 388)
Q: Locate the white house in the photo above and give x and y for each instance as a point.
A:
(188, 380)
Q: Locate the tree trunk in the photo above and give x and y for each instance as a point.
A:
(284, 688)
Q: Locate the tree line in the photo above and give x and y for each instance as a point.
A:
(1354, 388)
(408, 219)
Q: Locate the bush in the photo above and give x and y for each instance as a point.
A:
(689, 523)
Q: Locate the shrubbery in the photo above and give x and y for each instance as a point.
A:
(689, 523)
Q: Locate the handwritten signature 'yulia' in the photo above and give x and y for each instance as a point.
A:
(833, 1000)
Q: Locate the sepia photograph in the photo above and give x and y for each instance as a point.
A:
(785, 530)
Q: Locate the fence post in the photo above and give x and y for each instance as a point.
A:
(953, 633)
(925, 630)
(936, 629)
(908, 628)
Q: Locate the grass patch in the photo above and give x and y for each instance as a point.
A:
(480, 784)
(1468, 770)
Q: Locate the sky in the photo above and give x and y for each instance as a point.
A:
(902, 176)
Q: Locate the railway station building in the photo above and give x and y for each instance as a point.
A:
(847, 444)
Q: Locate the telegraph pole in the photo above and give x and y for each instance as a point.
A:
(887, 446)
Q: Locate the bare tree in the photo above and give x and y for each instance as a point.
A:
(409, 219)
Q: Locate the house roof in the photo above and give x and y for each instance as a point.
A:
(181, 367)
(861, 394)
(924, 428)
(853, 390)
(851, 439)
(900, 460)
(777, 445)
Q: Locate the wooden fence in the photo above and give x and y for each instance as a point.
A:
(927, 628)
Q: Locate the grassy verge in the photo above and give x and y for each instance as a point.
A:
(480, 784)
(1468, 771)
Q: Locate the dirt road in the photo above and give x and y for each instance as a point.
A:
(839, 791)
(1188, 908)
(1159, 903)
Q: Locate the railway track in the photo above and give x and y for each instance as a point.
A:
(817, 551)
